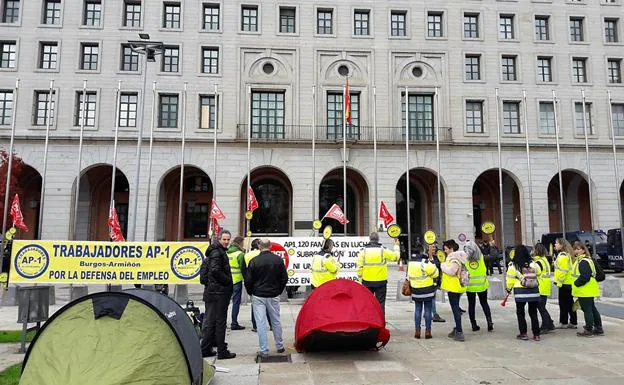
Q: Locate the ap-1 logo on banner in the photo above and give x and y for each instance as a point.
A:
(186, 262)
(31, 261)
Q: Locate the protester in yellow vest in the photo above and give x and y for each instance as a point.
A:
(477, 285)
(544, 287)
(421, 274)
(522, 278)
(451, 282)
(324, 266)
(255, 250)
(236, 256)
(585, 288)
(372, 267)
(436, 257)
(564, 280)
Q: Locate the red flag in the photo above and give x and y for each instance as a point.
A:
(252, 202)
(16, 214)
(336, 213)
(215, 211)
(114, 230)
(384, 214)
(216, 229)
(347, 99)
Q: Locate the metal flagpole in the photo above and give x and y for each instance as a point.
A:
(214, 142)
(182, 151)
(562, 207)
(344, 155)
(10, 165)
(149, 162)
(247, 226)
(439, 183)
(407, 176)
(45, 157)
(615, 169)
(528, 155)
(79, 169)
(375, 155)
(314, 213)
(500, 178)
(114, 172)
(137, 173)
(592, 215)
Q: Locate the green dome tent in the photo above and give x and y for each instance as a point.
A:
(135, 337)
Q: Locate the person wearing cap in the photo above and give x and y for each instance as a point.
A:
(372, 267)
(324, 266)
(236, 256)
(421, 274)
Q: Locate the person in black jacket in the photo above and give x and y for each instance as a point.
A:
(216, 277)
(265, 280)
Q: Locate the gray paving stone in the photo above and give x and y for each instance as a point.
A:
(285, 379)
(374, 366)
(488, 374)
(535, 372)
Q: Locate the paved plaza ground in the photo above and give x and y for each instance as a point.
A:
(485, 358)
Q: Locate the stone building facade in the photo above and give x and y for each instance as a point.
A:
(282, 66)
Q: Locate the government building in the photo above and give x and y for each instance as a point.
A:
(177, 71)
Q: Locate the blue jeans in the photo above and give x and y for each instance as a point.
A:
(261, 307)
(428, 314)
(236, 301)
(433, 305)
(454, 301)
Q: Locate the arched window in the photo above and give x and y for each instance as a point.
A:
(272, 215)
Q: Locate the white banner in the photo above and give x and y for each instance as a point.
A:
(298, 252)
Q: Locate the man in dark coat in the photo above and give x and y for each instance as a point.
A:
(265, 280)
(216, 277)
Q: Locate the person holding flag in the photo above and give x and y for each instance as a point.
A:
(372, 267)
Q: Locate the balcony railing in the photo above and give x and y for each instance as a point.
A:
(330, 134)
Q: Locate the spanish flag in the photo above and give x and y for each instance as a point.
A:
(347, 99)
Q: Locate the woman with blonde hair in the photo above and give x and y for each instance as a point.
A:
(564, 280)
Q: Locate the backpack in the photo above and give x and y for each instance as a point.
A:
(529, 278)
(599, 273)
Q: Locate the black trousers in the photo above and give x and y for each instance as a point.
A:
(472, 304)
(565, 305)
(522, 324)
(547, 322)
(213, 329)
(380, 294)
(592, 316)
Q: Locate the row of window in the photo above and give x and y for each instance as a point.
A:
(325, 20)
(473, 69)
(268, 111)
(48, 57)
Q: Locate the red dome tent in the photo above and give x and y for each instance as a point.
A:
(340, 315)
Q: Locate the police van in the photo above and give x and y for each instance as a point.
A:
(602, 249)
(615, 255)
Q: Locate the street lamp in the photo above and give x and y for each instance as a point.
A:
(150, 49)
